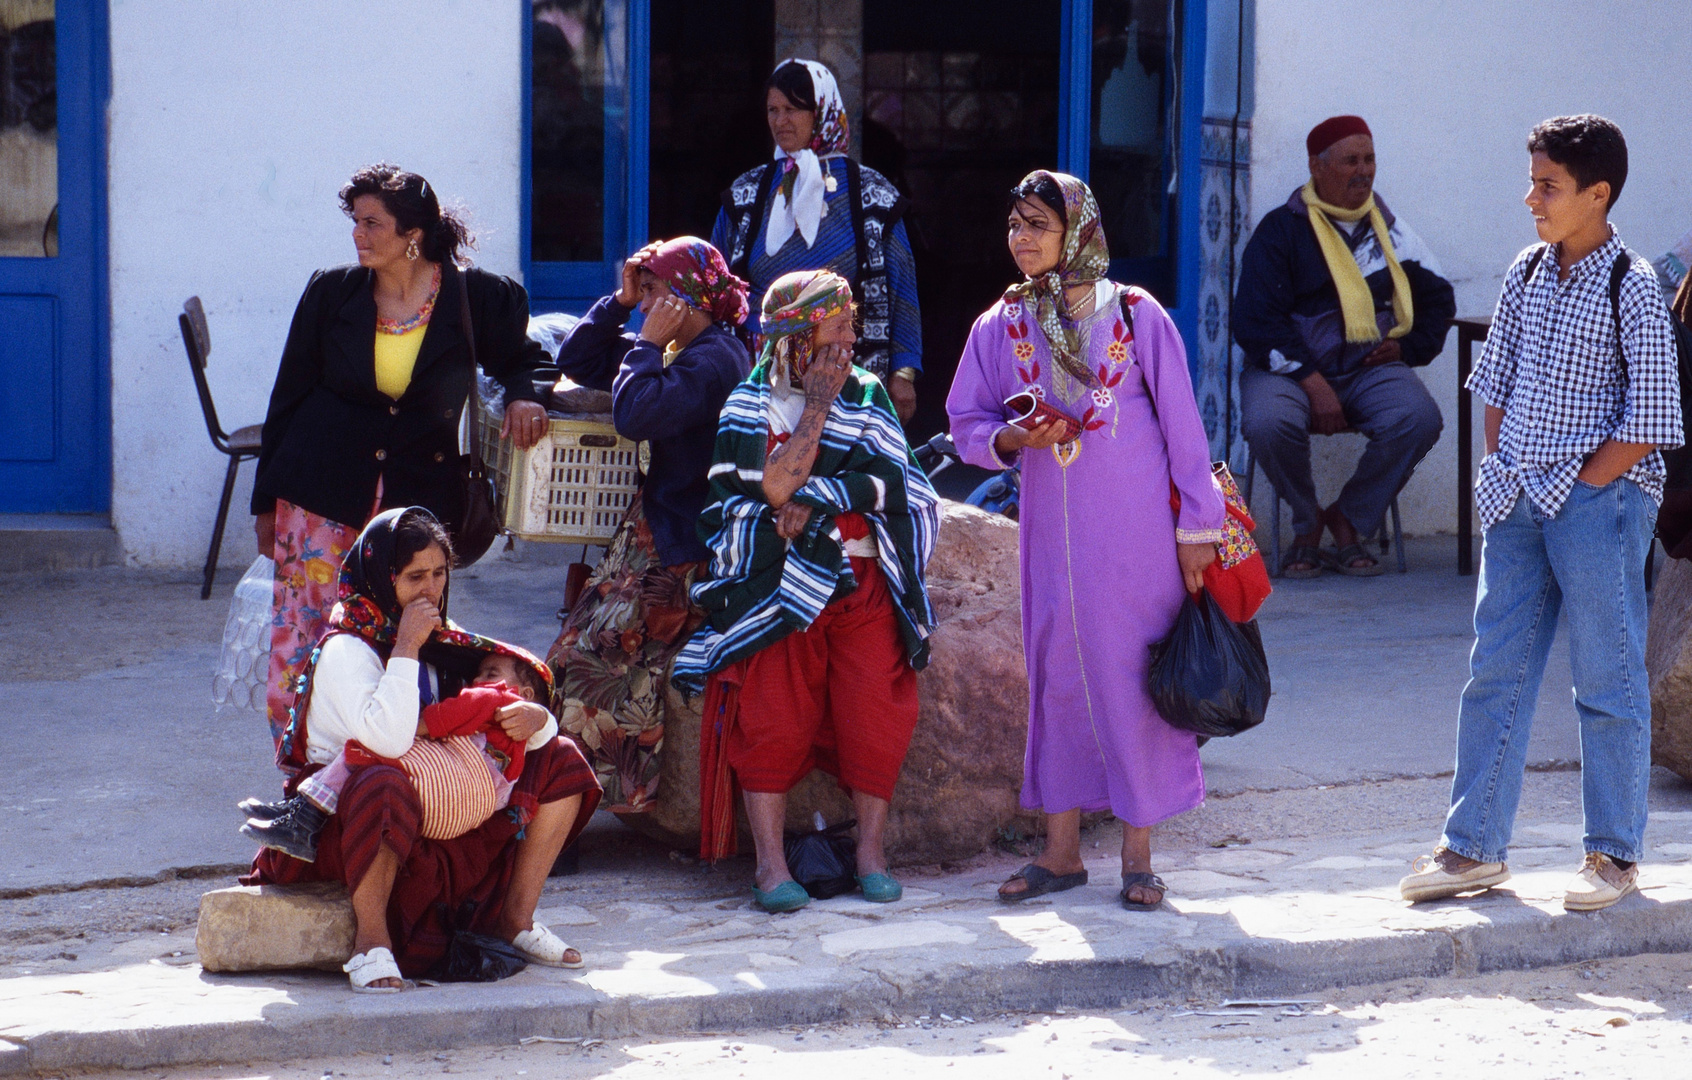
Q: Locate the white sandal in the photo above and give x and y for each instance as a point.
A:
(544, 947)
(372, 966)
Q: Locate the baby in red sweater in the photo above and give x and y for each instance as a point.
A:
(292, 826)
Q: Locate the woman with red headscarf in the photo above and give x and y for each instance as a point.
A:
(668, 385)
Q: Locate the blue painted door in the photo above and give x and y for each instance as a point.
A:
(54, 427)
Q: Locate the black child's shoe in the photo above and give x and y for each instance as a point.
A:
(294, 832)
(260, 810)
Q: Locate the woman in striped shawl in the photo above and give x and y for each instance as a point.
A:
(818, 618)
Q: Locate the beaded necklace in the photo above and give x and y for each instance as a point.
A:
(406, 326)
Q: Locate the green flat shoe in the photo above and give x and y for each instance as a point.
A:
(788, 896)
(880, 888)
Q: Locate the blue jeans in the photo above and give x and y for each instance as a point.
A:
(1591, 555)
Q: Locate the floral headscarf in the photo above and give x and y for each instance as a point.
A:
(799, 200)
(1084, 261)
(698, 274)
(793, 306)
(368, 605)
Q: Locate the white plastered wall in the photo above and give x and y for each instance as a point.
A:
(232, 128)
(1450, 89)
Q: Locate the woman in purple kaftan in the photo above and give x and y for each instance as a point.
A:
(1104, 559)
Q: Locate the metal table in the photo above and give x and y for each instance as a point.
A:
(1469, 331)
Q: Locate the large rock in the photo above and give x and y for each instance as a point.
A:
(962, 775)
(1668, 661)
(271, 927)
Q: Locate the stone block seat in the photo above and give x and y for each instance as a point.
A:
(275, 927)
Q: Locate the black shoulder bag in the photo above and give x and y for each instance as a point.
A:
(480, 524)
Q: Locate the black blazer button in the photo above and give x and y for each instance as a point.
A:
(439, 457)
(393, 410)
(381, 455)
(447, 413)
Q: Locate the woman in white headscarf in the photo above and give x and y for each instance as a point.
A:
(813, 208)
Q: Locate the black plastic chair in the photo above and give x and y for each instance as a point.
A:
(240, 445)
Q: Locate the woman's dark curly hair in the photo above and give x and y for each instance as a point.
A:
(414, 204)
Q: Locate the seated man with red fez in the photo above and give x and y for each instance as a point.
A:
(1338, 299)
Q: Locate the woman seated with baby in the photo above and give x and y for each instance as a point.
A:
(425, 774)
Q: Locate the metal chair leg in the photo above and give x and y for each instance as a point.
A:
(1398, 536)
(1650, 563)
(217, 530)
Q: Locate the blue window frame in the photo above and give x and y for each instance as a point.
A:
(585, 105)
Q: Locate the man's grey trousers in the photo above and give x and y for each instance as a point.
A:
(1387, 403)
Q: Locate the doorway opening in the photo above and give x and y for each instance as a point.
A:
(957, 109)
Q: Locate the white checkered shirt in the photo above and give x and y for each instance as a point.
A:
(1550, 363)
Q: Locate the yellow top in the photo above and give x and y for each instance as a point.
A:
(396, 355)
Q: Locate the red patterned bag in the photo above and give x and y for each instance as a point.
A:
(1238, 579)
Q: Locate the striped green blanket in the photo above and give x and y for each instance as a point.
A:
(763, 587)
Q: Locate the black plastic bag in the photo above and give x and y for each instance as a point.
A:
(825, 860)
(473, 957)
(1210, 676)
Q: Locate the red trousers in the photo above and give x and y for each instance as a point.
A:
(379, 806)
(839, 695)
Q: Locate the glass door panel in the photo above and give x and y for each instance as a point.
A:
(1134, 145)
(29, 130)
(578, 148)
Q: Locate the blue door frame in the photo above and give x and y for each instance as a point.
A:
(55, 410)
(574, 286)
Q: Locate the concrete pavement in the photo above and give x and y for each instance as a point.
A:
(1270, 895)
(118, 771)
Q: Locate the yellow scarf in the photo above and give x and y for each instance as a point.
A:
(1356, 302)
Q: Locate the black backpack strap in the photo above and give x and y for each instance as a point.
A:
(1534, 260)
(754, 219)
(1618, 272)
(855, 196)
(1128, 321)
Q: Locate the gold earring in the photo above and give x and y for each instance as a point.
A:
(411, 251)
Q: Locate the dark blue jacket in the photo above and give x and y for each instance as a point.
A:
(675, 409)
(1286, 300)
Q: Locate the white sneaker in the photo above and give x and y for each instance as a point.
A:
(1600, 883)
(1446, 873)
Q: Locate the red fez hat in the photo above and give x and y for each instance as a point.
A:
(1332, 130)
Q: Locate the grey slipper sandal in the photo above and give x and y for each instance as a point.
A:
(1040, 882)
(1142, 881)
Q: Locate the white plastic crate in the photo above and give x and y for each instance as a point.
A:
(572, 487)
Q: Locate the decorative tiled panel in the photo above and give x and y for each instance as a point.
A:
(1216, 376)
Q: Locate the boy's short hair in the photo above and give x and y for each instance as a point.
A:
(1590, 147)
(527, 677)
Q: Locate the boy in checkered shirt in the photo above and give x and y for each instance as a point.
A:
(1580, 391)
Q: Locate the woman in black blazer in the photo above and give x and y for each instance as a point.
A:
(366, 408)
